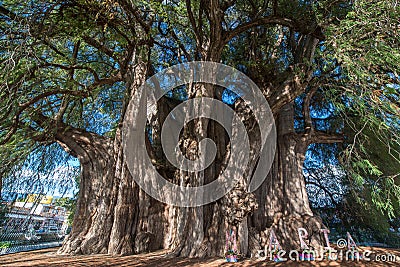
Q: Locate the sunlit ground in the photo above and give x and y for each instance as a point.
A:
(48, 257)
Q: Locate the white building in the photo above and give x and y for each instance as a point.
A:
(43, 217)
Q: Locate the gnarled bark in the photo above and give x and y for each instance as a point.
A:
(96, 201)
(287, 205)
(113, 215)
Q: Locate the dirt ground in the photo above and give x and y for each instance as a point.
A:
(48, 257)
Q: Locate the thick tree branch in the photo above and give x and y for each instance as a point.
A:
(72, 68)
(308, 127)
(297, 80)
(257, 22)
(273, 20)
(129, 7)
(192, 21)
(285, 93)
(180, 45)
(74, 141)
(211, 49)
(11, 132)
(326, 190)
(7, 13)
(54, 48)
(320, 137)
(275, 7)
(23, 106)
(200, 21)
(227, 4)
(93, 42)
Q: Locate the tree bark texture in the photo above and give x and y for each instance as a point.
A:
(115, 216)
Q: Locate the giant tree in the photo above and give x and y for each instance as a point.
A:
(74, 67)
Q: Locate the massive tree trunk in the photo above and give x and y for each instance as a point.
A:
(282, 199)
(96, 201)
(286, 205)
(199, 231)
(113, 215)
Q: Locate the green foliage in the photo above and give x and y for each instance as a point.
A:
(5, 244)
(360, 213)
(55, 63)
(364, 49)
(374, 166)
(70, 205)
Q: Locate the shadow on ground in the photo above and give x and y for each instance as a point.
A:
(48, 257)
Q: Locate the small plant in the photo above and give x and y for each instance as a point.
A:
(230, 252)
(5, 244)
